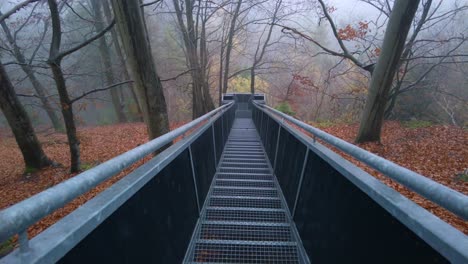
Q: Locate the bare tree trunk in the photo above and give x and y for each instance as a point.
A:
(221, 63)
(140, 62)
(65, 101)
(207, 100)
(252, 79)
(260, 52)
(202, 102)
(230, 44)
(68, 117)
(38, 87)
(405, 55)
(118, 51)
(106, 61)
(394, 40)
(33, 155)
(55, 58)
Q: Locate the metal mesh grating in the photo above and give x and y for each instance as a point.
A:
(244, 176)
(244, 146)
(239, 201)
(275, 216)
(250, 165)
(244, 170)
(238, 253)
(245, 192)
(268, 184)
(244, 218)
(244, 156)
(245, 161)
(243, 149)
(245, 231)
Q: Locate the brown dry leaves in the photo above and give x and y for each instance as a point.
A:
(98, 144)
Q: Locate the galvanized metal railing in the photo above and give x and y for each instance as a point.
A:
(17, 218)
(450, 199)
(338, 207)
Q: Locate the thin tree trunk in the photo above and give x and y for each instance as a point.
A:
(38, 87)
(140, 62)
(229, 45)
(221, 63)
(394, 40)
(252, 80)
(118, 51)
(54, 61)
(68, 117)
(65, 102)
(207, 100)
(33, 155)
(106, 61)
(202, 102)
(258, 59)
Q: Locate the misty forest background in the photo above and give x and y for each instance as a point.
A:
(296, 73)
(101, 77)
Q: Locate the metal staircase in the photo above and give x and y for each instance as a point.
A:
(245, 218)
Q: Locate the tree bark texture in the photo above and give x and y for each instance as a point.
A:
(33, 155)
(387, 64)
(140, 62)
(120, 57)
(106, 62)
(65, 101)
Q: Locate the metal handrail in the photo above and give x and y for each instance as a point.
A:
(17, 218)
(450, 199)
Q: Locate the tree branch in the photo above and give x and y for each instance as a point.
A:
(16, 8)
(86, 42)
(99, 90)
(150, 3)
(177, 76)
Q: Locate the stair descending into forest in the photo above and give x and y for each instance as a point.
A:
(245, 218)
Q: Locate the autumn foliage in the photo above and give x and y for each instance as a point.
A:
(352, 33)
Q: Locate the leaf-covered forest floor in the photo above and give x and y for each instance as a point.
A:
(438, 152)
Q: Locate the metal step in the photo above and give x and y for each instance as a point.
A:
(245, 201)
(243, 183)
(243, 170)
(245, 176)
(244, 192)
(245, 218)
(227, 251)
(250, 165)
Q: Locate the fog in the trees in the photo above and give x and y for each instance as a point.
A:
(317, 84)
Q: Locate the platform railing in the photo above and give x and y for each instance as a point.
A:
(310, 175)
(450, 199)
(211, 128)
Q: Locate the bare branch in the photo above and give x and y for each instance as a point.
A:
(177, 76)
(86, 42)
(99, 90)
(15, 9)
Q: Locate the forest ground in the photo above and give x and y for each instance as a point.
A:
(438, 152)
